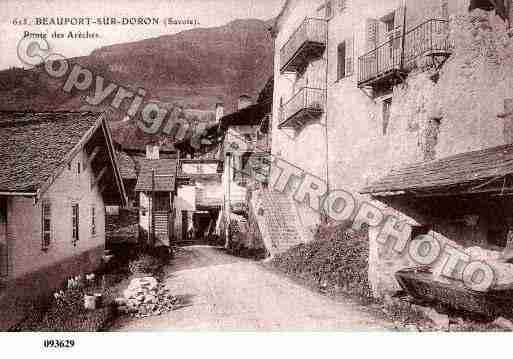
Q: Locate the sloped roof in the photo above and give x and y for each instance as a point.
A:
(253, 115)
(455, 171)
(34, 145)
(165, 175)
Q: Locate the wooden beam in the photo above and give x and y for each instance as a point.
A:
(99, 177)
(93, 155)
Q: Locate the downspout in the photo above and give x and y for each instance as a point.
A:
(403, 36)
(323, 216)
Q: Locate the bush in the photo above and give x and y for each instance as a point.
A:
(67, 314)
(336, 261)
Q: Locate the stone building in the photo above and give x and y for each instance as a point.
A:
(363, 88)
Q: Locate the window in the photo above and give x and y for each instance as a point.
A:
(93, 220)
(325, 11)
(78, 167)
(3, 210)
(345, 58)
(389, 23)
(75, 223)
(387, 106)
(341, 56)
(445, 9)
(329, 10)
(342, 5)
(46, 225)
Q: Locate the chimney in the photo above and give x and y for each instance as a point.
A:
(219, 111)
(244, 101)
(152, 152)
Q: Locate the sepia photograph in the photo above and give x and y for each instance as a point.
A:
(272, 166)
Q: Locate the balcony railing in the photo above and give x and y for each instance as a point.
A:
(430, 38)
(306, 104)
(306, 43)
(391, 60)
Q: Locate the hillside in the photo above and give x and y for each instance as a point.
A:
(193, 69)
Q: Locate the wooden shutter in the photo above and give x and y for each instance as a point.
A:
(341, 60)
(46, 225)
(371, 29)
(399, 15)
(399, 18)
(349, 56)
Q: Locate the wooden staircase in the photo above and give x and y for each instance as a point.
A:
(278, 221)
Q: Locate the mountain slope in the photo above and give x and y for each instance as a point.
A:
(193, 69)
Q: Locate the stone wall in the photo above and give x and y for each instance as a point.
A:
(456, 113)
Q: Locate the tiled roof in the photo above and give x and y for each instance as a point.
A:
(126, 166)
(164, 180)
(33, 145)
(455, 171)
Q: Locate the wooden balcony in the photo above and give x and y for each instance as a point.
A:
(390, 62)
(305, 105)
(307, 43)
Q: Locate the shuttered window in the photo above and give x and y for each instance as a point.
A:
(342, 5)
(46, 233)
(341, 60)
(387, 107)
(75, 216)
(399, 15)
(445, 9)
(329, 10)
(349, 56)
(371, 29)
(345, 58)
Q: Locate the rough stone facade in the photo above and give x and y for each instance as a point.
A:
(440, 109)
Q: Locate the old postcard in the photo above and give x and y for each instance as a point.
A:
(244, 165)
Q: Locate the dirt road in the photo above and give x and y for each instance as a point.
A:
(228, 293)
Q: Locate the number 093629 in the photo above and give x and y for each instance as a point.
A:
(58, 343)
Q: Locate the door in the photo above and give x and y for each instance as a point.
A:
(185, 225)
(161, 226)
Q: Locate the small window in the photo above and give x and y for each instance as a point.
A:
(325, 11)
(342, 5)
(93, 220)
(69, 166)
(389, 24)
(387, 107)
(341, 58)
(78, 167)
(46, 225)
(3, 210)
(445, 9)
(329, 10)
(75, 223)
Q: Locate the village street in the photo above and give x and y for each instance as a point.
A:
(223, 292)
